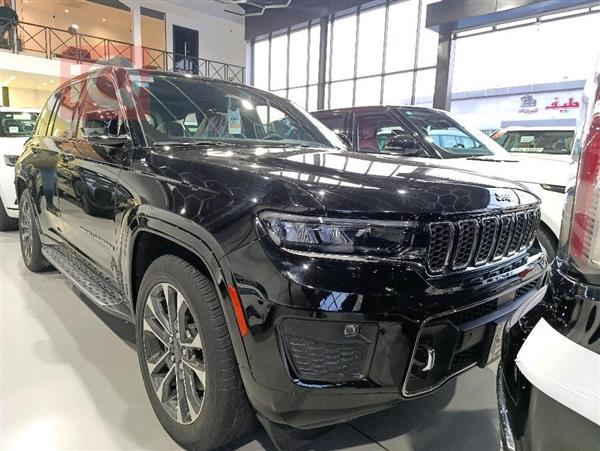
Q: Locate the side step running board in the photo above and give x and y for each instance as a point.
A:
(97, 288)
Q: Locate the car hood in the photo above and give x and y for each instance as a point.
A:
(347, 182)
(517, 168)
(12, 146)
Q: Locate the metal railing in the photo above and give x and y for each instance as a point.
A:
(175, 62)
(54, 43)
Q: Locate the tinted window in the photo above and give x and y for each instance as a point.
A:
(537, 141)
(13, 124)
(45, 115)
(444, 132)
(62, 121)
(334, 122)
(189, 110)
(99, 113)
(374, 130)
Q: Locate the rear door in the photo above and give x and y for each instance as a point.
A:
(89, 170)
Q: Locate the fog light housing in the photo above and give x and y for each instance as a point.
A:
(323, 352)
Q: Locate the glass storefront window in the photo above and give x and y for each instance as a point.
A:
(340, 94)
(402, 36)
(370, 41)
(343, 47)
(368, 91)
(298, 57)
(261, 64)
(397, 89)
(279, 61)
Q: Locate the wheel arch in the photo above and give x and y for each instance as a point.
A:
(153, 232)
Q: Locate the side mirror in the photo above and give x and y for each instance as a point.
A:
(104, 128)
(403, 144)
(108, 140)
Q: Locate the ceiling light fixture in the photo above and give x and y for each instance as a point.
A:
(66, 10)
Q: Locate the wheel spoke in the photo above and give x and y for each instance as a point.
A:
(171, 299)
(161, 362)
(194, 343)
(153, 326)
(162, 391)
(157, 311)
(196, 369)
(192, 398)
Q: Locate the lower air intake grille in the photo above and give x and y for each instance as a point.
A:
(476, 242)
(315, 360)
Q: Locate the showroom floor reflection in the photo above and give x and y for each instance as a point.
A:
(72, 381)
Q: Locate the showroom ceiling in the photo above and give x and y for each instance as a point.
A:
(257, 7)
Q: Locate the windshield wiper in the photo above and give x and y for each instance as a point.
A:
(195, 143)
(491, 159)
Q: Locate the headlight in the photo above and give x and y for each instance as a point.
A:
(10, 160)
(555, 188)
(338, 236)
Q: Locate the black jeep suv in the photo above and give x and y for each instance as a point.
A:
(268, 270)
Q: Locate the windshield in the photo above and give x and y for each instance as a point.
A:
(450, 137)
(557, 142)
(16, 123)
(177, 109)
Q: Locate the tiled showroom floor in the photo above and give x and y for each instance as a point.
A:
(70, 379)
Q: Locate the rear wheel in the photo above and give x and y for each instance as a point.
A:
(29, 237)
(6, 222)
(186, 357)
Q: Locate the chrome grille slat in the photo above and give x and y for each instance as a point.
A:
(475, 242)
(506, 228)
(489, 234)
(441, 237)
(465, 243)
(517, 235)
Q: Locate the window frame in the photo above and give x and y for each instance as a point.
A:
(84, 92)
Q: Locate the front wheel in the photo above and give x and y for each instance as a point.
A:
(548, 242)
(186, 357)
(29, 237)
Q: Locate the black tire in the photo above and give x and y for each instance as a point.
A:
(33, 259)
(226, 413)
(6, 222)
(548, 242)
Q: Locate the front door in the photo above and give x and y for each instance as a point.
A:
(185, 49)
(89, 171)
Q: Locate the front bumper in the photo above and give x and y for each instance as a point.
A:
(356, 354)
(551, 415)
(7, 190)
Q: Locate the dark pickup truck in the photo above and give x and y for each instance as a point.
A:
(268, 270)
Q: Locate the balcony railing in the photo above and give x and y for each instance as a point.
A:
(52, 43)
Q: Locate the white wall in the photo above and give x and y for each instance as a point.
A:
(27, 98)
(220, 34)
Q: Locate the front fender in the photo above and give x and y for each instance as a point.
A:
(195, 239)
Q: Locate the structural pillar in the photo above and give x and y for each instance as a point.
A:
(443, 73)
(138, 54)
(322, 63)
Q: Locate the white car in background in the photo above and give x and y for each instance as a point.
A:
(435, 136)
(552, 143)
(16, 126)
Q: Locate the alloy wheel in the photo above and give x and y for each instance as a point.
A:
(25, 230)
(173, 354)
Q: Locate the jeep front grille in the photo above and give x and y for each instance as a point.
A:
(473, 242)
